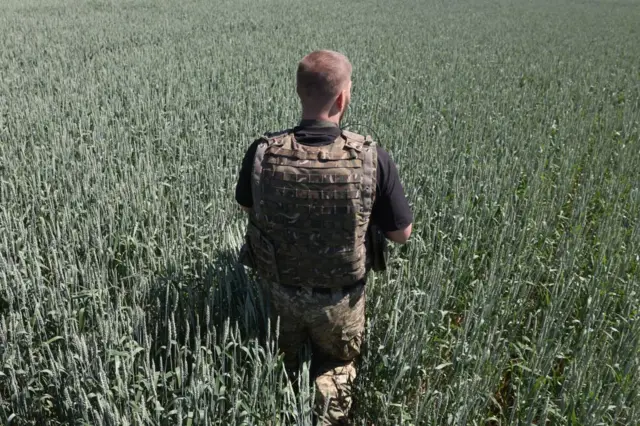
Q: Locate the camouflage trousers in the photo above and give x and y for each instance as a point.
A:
(334, 324)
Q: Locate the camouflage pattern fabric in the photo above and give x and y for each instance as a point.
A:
(311, 210)
(334, 323)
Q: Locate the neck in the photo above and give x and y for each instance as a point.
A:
(322, 116)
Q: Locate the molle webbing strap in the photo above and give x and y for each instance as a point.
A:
(305, 155)
(329, 223)
(284, 161)
(317, 195)
(313, 178)
(289, 232)
(327, 251)
(291, 207)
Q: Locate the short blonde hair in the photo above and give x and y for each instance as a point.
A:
(321, 76)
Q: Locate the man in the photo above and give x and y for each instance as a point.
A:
(311, 193)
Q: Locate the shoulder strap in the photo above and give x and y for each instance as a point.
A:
(369, 175)
(365, 146)
(256, 172)
(353, 136)
(356, 141)
(265, 142)
(277, 138)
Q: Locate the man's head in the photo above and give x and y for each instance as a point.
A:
(324, 85)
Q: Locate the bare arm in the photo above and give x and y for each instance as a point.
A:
(391, 210)
(401, 236)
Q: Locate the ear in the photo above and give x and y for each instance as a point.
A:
(340, 100)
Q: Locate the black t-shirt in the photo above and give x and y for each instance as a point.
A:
(391, 211)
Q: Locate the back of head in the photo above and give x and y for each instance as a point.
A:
(321, 76)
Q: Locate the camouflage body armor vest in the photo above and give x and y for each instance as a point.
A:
(311, 210)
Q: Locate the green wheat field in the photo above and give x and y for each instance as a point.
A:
(515, 125)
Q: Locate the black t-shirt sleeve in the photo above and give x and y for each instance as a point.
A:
(391, 210)
(243, 187)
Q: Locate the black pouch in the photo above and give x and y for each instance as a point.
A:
(376, 248)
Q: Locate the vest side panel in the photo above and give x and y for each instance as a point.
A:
(256, 177)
